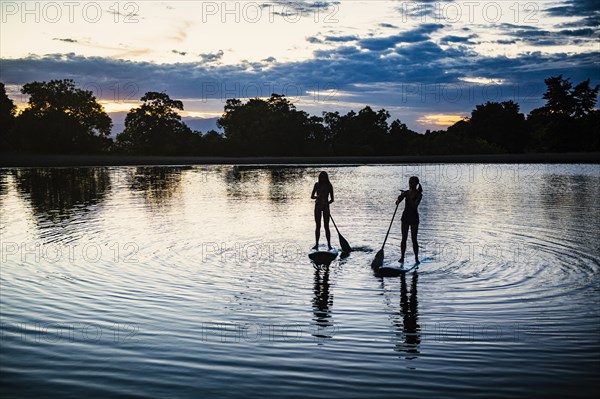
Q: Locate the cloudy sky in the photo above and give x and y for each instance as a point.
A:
(427, 62)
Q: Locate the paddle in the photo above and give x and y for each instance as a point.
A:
(345, 246)
(378, 261)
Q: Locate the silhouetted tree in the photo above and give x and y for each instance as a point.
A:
(156, 128)
(457, 139)
(562, 124)
(558, 95)
(584, 98)
(7, 118)
(400, 139)
(501, 124)
(562, 98)
(318, 137)
(61, 118)
(213, 143)
(361, 133)
(265, 127)
(589, 125)
(552, 132)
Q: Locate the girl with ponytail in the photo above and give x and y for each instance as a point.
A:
(322, 193)
(410, 216)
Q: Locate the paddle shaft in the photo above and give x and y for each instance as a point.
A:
(334, 225)
(343, 242)
(389, 228)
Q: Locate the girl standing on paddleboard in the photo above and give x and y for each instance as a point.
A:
(321, 193)
(410, 216)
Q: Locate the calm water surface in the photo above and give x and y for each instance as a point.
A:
(194, 281)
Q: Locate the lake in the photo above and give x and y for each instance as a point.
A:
(195, 282)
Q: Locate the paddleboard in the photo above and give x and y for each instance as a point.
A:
(395, 268)
(322, 255)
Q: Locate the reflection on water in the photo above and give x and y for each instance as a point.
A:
(405, 317)
(248, 181)
(283, 185)
(158, 184)
(62, 199)
(58, 194)
(410, 315)
(322, 302)
(241, 181)
(195, 281)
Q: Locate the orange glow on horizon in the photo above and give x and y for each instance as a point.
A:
(440, 120)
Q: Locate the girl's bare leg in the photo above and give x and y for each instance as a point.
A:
(414, 230)
(327, 232)
(318, 228)
(405, 227)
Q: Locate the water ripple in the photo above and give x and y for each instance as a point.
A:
(195, 281)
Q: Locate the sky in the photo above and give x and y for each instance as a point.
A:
(429, 63)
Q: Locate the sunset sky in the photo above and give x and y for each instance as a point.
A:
(428, 63)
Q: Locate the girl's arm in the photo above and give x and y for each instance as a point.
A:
(331, 193)
(401, 197)
(312, 195)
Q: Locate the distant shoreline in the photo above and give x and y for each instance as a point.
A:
(52, 160)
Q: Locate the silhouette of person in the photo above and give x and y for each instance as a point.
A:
(410, 216)
(321, 193)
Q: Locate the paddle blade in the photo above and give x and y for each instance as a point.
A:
(344, 244)
(378, 261)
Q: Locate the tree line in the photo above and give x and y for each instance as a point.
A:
(62, 118)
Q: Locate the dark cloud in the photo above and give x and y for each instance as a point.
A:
(457, 39)
(585, 32)
(542, 37)
(300, 8)
(179, 52)
(212, 57)
(67, 40)
(415, 77)
(388, 26)
(588, 21)
(429, 52)
(572, 8)
(130, 16)
(347, 66)
(420, 34)
(341, 39)
(587, 10)
(418, 10)
(332, 39)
